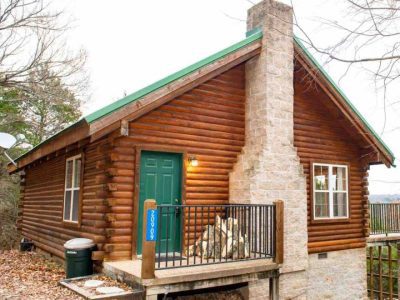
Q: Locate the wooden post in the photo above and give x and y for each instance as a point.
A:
(274, 288)
(279, 250)
(398, 269)
(124, 127)
(390, 272)
(380, 272)
(371, 272)
(148, 247)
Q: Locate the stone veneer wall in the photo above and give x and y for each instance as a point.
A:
(268, 167)
(341, 276)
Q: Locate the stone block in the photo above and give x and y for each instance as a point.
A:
(342, 275)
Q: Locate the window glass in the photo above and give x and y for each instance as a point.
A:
(77, 173)
(72, 188)
(339, 204)
(322, 204)
(339, 178)
(75, 206)
(69, 174)
(67, 205)
(321, 174)
(330, 191)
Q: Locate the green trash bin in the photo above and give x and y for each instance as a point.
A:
(78, 257)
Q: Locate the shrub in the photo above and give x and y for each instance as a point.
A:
(9, 201)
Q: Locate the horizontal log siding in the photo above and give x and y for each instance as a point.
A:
(42, 209)
(120, 198)
(207, 122)
(321, 137)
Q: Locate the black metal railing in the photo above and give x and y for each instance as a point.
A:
(208, 234)
(384, 218)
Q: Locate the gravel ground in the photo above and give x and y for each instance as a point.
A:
(28, 275)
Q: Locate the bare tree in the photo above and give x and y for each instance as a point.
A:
(368, 36)
(40, 85)
(31, 36)
(48, 107)
(370, 24)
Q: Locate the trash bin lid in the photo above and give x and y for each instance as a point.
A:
(78, 244)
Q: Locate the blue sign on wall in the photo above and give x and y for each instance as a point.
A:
(151, 228)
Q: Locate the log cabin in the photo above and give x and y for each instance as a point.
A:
(215, 144)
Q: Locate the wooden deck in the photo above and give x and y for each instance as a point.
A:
(192, 277)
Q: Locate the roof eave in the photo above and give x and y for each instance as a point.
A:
(93, 125)
(69, 135)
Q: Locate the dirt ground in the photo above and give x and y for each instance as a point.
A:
(29, 275)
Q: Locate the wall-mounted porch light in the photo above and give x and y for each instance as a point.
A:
(193, 162)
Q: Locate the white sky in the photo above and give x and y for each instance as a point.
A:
(134, 43)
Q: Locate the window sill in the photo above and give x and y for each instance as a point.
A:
(324, 221)
(71, 224)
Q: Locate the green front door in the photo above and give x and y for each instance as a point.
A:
(160, 179)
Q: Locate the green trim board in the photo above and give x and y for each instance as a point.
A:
(342, 94)
(256, 30)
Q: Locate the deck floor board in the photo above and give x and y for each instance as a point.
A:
(132, 268)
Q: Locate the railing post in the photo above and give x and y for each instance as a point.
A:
(148, 246)
(279, 249)
(398, 269)
(368, 222)
(274, 288)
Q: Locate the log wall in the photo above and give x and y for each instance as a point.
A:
(207, 122)
(120, 189)
(320, 135)
(43, 196)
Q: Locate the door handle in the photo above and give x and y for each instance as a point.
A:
(177, 211)
(177, 208)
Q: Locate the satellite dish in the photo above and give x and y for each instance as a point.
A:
(7, 140)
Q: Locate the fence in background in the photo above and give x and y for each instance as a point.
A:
(384, 218)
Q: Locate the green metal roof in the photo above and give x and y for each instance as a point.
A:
(251, 37)
(75, 124)
(342, 94)
(256, 35)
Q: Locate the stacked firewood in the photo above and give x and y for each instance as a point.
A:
(224, 239)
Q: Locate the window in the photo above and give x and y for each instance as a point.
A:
(330, 186)
(72, 188)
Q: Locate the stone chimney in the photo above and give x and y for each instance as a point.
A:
(268, 167)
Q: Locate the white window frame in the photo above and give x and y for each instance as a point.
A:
(330, 191)
(72, 188)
